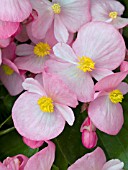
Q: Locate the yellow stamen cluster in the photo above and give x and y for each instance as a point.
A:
(42, 49)
(85, 64)
(46, 104)
(56, 8)
(113, 15)
(8, 71)
(116, 96)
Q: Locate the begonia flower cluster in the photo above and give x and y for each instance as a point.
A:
(54, 56)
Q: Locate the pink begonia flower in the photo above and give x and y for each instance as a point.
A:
(32, 144)
(105, 111)
(92, 55)
(42, 160)
(68, 16)
(96, 160)
(89, 136)
(41, 112)
(124, 66)
(9, 73)
(109, 11)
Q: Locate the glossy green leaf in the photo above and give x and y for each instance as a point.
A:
(11, 144)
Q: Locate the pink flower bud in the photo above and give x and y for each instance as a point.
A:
(89, 139)
(17, 162)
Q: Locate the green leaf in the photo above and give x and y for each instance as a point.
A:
(55, 167)
(11, 144)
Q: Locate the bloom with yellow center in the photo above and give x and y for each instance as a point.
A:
(116, 96)
(113, 15)
(8, 71)
(46, 104)
(86, 64)
(42, 49)
(56, 8)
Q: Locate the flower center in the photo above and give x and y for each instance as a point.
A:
(8, 71)
(42, 49)
(46, 104)
(85, 64)
(113, 15)
(56, 8)
(116, 96)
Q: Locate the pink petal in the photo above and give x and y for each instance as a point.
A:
(60, 31)
(22, 36)
(107, 43)
(42, 160)
(7, 29)
(60, 93)
(114, 164)
(13, 82)
(3, 167)
(123, 87)
(74, 78)
(5, 42)
(75, 14)
(34, 124)
(110, 82)
(67, 113)
(124, 66)
(31, 63)
(9, 51)
(120, 22)
(91, 161)
(24, 50)
(41, 25)
(32, 144)
(33, 86)
(0, 57)
(65, 52)
(106, 116)
(100, 73)
(15, 10)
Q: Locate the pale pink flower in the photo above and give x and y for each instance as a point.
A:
(89, 136)
(92, 55)
(42, 160)
(10, 76)
(68, 16)
(41, 112)
(105, 111)
(96, 160)
(109, 11)
(33, 56)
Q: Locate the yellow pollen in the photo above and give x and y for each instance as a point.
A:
(46, 104)
(116, 96)
(113, 15)
(85, 64)
(56, 8)
(8, 71)
(42, 49)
